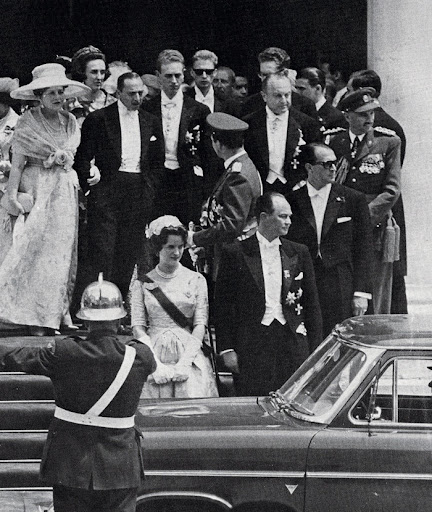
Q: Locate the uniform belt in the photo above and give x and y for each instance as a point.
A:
(93, 421)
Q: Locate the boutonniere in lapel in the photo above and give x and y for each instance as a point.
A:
(340, 199)
(297, 151)
(192, 139)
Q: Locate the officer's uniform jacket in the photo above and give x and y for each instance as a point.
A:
(81, 370)
(230, 208)
(375, 170)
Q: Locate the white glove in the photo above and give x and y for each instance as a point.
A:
(163, 372)
(94, 176)
(181, 372)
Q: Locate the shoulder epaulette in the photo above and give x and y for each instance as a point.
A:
(299, 185)
(236, 167)
(332, 131)
(384, 131)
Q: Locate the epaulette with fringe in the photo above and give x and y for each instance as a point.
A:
(384, 131)
(332, 131)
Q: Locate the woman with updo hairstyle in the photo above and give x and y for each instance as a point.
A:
(39, 210)
(169, 308)
(89, 67)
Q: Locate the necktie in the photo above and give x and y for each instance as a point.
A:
(275, 124)
(354, 147)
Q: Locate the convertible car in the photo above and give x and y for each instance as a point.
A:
(350, 431)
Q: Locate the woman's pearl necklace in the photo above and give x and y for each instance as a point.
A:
(164, 274)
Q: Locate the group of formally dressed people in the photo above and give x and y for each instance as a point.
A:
(199, 160)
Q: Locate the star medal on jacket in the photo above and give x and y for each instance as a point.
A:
(214, 211)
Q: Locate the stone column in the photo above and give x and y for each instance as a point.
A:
(400, 51)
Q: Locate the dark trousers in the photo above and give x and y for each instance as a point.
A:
(268, 359)
(71, 499)
(180, 194)
(116, 228)
(335, 293)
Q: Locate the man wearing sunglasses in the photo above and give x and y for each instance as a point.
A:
(204, 64)
(333, 222)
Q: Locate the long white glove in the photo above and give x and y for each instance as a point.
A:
(163, 372)
(183, 367)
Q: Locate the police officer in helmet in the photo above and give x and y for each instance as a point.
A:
(92, 457)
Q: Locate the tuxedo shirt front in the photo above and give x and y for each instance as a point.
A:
(130, 140)
(277, 128)
(171, 114)
(272, 272)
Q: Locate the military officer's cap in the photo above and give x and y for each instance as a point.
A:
(361, 100)
(226, 123)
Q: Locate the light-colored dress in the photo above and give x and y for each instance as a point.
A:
(38, 251)
(188, 291)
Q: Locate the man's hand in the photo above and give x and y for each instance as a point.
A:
(359, 306)
(230, 360)
(189, 242)
(94, 176)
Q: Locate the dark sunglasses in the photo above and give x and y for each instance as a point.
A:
(327, 165)
(207, 71)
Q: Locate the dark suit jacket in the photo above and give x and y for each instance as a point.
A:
(299, 102)
(101, 140)
(214, 165)
(331, 117)
(346, 236)
(218, 104)
(81, 370)
(256, 142)
(193, 115)
(240, 296)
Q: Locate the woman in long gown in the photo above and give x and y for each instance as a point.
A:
(40, 215)
(183, 370)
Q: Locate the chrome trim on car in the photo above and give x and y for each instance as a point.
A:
(26, 402)
(14, 461)
(9, 431)
(48, 489)
(183, 494)
(368, 476)
(225, 473)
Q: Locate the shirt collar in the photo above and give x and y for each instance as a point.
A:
(353, 136)
(231, 159)
(177, 99)
(262, 240)
(199, 96)
(123, 111)
(322, 192)
(271, 115)
(320, 102)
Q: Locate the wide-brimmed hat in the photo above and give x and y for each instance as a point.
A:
(49, 75)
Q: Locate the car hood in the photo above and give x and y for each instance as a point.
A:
(211, 412)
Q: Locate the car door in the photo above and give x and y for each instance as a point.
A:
(384, 463)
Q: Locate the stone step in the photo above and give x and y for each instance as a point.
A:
(20, 386)
(21, 445)
(26, 415)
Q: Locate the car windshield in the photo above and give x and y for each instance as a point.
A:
(314, 389)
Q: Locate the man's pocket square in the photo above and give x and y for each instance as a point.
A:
(343, 219)
(300, 276)
(152, 138)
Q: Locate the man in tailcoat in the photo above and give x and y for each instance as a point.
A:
(126, 147)
(186, 144)
(369, 161)
(276, 133)
(92, 457)
(311, 83)
(333, 222)
(268, 317)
